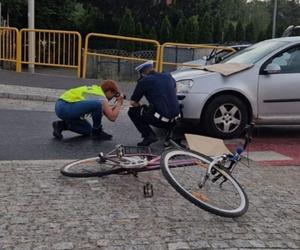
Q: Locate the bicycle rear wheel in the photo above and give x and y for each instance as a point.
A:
(185, 169)
(92, 167)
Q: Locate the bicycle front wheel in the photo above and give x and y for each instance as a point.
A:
(92, 167)
(185, 171)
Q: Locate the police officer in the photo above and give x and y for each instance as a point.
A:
(76, 103)
(160, 91)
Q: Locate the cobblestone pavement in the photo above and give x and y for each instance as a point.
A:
(41, 209)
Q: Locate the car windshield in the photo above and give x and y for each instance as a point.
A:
(254, 53)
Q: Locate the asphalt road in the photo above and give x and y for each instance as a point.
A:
(27, 135)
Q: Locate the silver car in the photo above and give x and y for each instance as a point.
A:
(268, 91)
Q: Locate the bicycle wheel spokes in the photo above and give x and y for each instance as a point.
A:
(91, 167)
(187, 173)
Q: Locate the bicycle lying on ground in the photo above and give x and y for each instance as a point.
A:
(205, 181)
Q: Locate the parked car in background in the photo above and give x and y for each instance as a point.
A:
(267, 92)
(292, 30)
(215, 56)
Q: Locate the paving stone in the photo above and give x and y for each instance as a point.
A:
(267, 156)
(42, 208)
(178, 246)
(113, 248)
(276, 244)
(293, 245)
(241, 243)
(157, 246)
(257, 243)
(219, 244)
(102, 243)
(63, 246)
(42, 247)
(200, 244)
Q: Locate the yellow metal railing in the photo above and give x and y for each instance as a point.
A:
(122, 38)
(186, 46)
(9, 39)
(60, 48)
(55, 48)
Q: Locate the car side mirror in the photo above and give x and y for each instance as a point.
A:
(272, 68)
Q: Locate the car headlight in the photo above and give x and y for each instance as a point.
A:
(183, 86)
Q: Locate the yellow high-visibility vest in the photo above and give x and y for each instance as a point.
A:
(82, 93)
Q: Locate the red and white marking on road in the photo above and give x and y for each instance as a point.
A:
(274, 151)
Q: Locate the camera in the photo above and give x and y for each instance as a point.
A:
(118, 95)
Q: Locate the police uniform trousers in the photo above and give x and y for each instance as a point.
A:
(143, 116)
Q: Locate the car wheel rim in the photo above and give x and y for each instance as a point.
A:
(227, 118)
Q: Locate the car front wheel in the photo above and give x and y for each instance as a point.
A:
(225, 117)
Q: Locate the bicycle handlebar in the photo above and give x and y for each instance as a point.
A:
(239, 150)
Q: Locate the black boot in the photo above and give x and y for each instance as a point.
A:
(101, 135)
(58, 127)
(148, 140)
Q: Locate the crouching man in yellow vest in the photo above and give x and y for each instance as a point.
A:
(76, 103)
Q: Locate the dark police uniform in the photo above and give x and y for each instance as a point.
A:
(160, 91)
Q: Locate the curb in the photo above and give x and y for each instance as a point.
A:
(30, 97)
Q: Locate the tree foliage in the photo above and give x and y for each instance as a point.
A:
(239, 32)
(191, 34)
(229, 35)
(217, 32)
(165, 30)
(249, 33)
(127, 28)
(179, 31)
(166, 22)
(206, 28)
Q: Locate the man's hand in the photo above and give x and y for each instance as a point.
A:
(134, 104)
(120, 99)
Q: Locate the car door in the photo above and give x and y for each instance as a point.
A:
(279, 92)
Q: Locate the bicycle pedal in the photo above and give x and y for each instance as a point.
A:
(101, 158)
(148, 190)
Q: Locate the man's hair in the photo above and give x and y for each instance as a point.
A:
(109, 85)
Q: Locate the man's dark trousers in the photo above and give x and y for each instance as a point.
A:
(142, 118)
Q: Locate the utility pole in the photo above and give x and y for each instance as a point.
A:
(0, 15)
(274, 19)
(31, 38)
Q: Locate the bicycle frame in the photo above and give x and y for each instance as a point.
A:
(152, 164)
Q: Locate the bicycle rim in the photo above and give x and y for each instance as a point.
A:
(185, 170)
(91, 167)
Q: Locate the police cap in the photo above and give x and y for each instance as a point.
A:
(144, 65)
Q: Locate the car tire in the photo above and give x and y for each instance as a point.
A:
(225, 117)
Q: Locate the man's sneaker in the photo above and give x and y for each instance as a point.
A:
(100, 134)
(58, 127)
(148, 140)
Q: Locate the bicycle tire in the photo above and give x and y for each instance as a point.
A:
(185, 175)
(96, 168)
